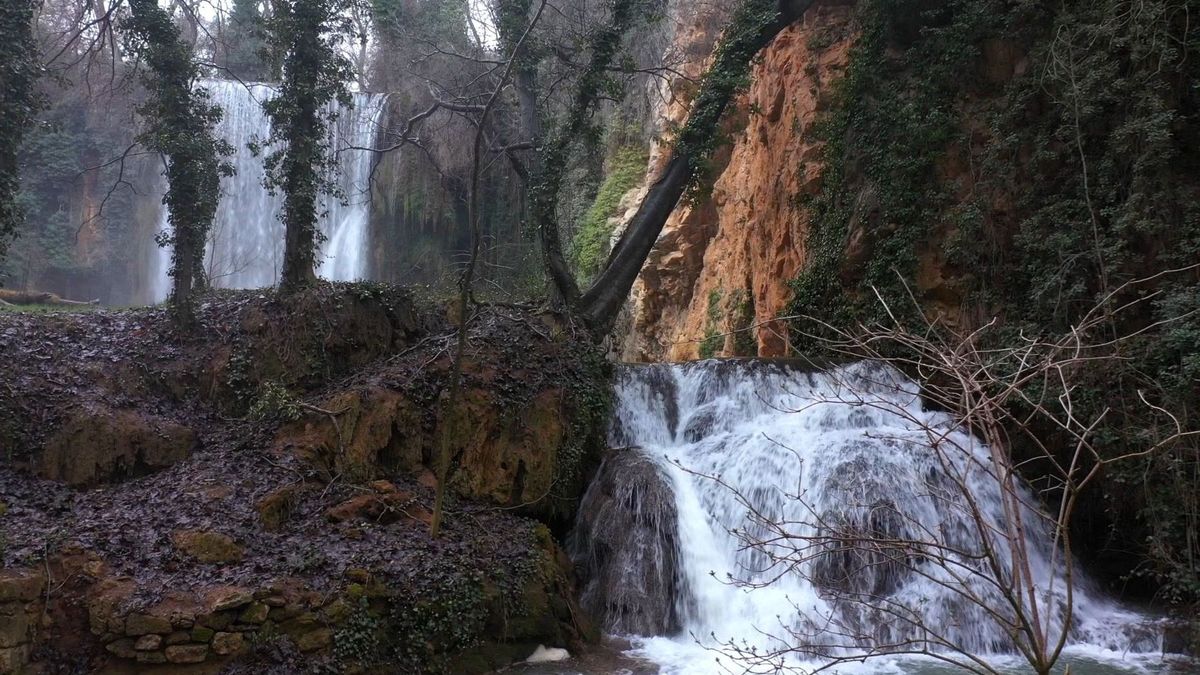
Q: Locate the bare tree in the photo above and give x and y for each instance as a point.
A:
(995, 399)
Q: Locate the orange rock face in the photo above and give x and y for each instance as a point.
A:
(724, 264)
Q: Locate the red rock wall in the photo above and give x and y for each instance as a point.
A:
(728, 258)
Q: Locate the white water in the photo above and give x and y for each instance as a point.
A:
(849, 448)
(245, 248)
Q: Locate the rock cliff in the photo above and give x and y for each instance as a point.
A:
(718, 277)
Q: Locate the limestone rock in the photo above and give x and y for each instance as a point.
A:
(276, 507)
(142, 624)
(724, 264)
(122, 648)
(148, 643)
(314, 640)
(227, 643)
(228, 597)
(12, 659)
(386, 504)
(207, 546)
(20, 585)
(187, 653)
(151, 657)
(255, 613)
(14, 625)
(380, 431)
(99, 445)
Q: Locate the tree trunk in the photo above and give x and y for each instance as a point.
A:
(742, 41)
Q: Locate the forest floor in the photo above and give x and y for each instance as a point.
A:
(173, 479)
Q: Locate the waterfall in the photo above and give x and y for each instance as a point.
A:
(245, 247)
(784, 483)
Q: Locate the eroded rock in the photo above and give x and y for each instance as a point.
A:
(98, 445)
(626, 545)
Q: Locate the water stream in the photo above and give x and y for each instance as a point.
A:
(245, 248)
(747, 525)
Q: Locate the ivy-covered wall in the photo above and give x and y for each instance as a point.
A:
(1023, 160)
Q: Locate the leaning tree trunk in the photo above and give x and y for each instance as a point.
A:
(754, 24)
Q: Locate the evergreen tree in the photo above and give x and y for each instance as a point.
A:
(243, 47)
(18, 104)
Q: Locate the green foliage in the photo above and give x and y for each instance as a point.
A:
(179, 121)
(740, 43)
(1082, 178)
(713, 340)
(447, 617)
(358, 640)
(243, 52)
(894, 115)
(18, 106)
(626, 170)
(590, 408)
(305, 35)
(276, 402)
(729, 313)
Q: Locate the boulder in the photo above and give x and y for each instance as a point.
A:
(626, 545)
(97, 445)
(207, 546)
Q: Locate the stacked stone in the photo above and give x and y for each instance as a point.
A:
(220, 627)
(21, 593)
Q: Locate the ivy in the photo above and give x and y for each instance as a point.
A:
(18, 106)
(1077, 174)
(179, 121)
(306, 35)
(894, 115)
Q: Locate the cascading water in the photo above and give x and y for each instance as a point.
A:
(785, 488)
(245, 248)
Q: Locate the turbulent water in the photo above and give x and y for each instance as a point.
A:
(787, 487)
(245, 248)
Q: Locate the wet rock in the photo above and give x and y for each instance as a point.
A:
(625, 547)
(1180, 637)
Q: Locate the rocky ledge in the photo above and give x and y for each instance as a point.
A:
(253, 495)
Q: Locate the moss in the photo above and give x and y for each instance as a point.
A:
(1076, 176)
(893, 117)
(713, 340)
(731, 313)
(626, 170)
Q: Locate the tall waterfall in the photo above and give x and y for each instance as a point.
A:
(245, 248)
(760, 463)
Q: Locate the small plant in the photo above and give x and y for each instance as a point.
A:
(357, 641)
(276, 402)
